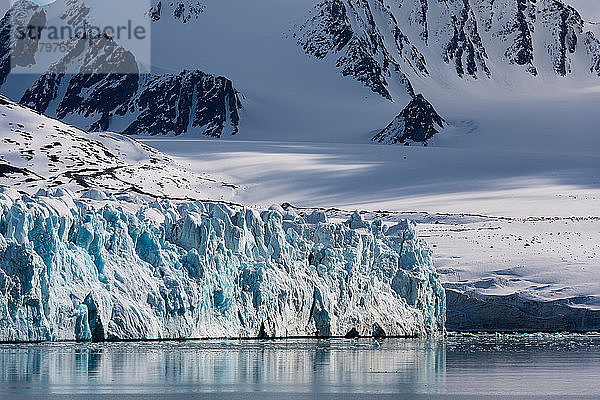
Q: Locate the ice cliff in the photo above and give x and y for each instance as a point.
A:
(100, 267)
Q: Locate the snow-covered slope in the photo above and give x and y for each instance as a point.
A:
(40, 152)
(76, 268)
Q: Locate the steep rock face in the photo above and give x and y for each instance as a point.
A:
(19, 44)
(565, 25)
(15, 52)
(106, 270)
(107, 77)
(181, 10)
(593, 46)
(464, 48)
(96, 83)
(376, 41)
(512, 23)
(348, 31)
(107, 90)
(189, 100)
(417, 123)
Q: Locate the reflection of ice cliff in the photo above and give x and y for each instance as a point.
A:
(100, 268)
(265, 367)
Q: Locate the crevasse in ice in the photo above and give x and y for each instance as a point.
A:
(99, 268)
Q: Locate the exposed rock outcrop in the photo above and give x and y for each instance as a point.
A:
(417, 123)
(378, 42)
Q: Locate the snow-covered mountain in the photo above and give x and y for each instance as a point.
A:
(98, 84)
(384, 42)
(334, 69)
(417, 123)
(190, 101)
(476, 38)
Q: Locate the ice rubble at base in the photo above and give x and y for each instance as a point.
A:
(104, 268)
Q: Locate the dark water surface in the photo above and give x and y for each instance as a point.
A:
(457, 367)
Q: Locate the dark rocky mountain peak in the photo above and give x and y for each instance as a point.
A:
(417, 123)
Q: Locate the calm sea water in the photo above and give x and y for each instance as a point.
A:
(457, 367)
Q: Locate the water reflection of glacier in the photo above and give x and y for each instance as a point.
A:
(456, 367)
(281, 366)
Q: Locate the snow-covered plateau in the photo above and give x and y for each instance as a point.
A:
(99, 267)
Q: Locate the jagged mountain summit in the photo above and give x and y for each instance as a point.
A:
(182, 10)
(377, 41)
(417, 123)
(332, 70)
(97, 84)
(140, 104)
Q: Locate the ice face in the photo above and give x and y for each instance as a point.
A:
(98, 268)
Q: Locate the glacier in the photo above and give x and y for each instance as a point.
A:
(105, 267)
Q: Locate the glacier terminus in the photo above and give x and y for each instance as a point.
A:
(101, 268)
